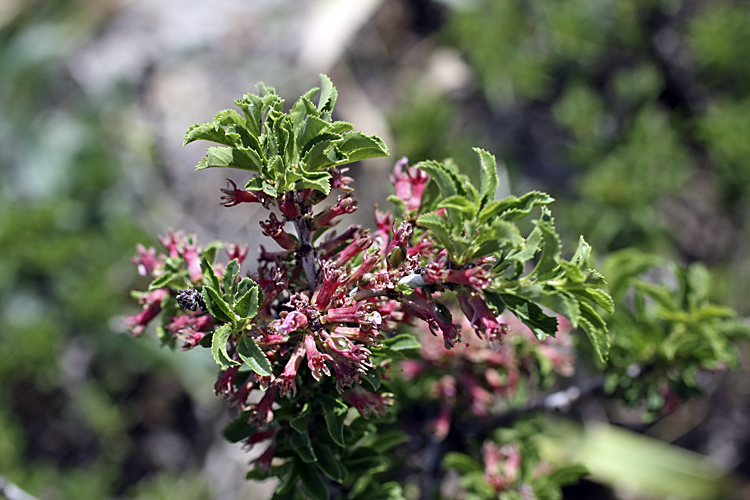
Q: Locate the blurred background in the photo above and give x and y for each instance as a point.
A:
(633, 114)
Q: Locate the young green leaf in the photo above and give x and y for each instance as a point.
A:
(488, 176)
(596, 330)
(230, 280)
(531, 315)
(254, 357)
(235, 157)
(328, 463)
(219, 346)
(248, 304)
(216, 305)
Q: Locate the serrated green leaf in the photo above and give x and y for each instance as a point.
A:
(216, 305)
(488, 176)
(402, 342)
(358, 146)
(499, 235)
(328, 463)
(549, 261)
(239, 429)
(598, 297)
(254, 357)
(252, 106)
(230, 280)
(439, 229)
(531, 315)
(241, 158)
(513, 208)
(247, 306)
(334, 414)
(219, 346)
(313, 484)
(210, 132)
(316, 180)
(301, 422)
(208, 272)
(461, 204)
(328, 94)
(596, 330)
(175, 280)
(446, 180)
(302, 446)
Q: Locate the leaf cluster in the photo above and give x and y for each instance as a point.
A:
(288, 151)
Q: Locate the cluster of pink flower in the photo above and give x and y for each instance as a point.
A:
(479, 377)
(356, 286)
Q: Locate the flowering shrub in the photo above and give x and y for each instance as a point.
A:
(308, 341)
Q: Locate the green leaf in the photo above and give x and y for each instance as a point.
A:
(208, 272)
(216, 305)
(239, 429)
(241, 158)
(248, 304)
(175, 280)
(230, 280)
(252, 106)
(549, 261)
(402, 342)
(462, 463)
(328, 463)
(446, 180)
(531, 315)
(313, 484)
(499, 235)
(389, 439)
(596, 330)
(210, 132)
(358, 146)
(335, 414)
(300, 443)
(316, 180)
(328, 94)
(301, 422)
(488, 176)
(314, 127)
(219, 346)
(461, 204)
(254, 357)
(513, 208)
(439, 229)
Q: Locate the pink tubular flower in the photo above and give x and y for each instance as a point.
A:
(362, 242)
(286, 382)
(344, 205)
(484, 321)
(340, 181)
(263, 462)
(233, 196)
(397, 247)
(368, 403)
(368, 264)
(384, 222)
(316, 360)
(329, 246)
(260, 436)
(262, 413)
(332, 278)
(501, 465)
(225, 384)
(235, 251)
(190, 328)
(273, 286)
(146, 260)
(137, 323)
(191, 253)
(273, 227)
(357, 313)
(289, 207)
(293, 321)
(410, 183)
(475, 277)
(172, 242)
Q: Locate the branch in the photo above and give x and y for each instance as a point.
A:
(306, 252)
(13, 492)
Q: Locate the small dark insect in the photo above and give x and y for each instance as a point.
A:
(191, 299)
